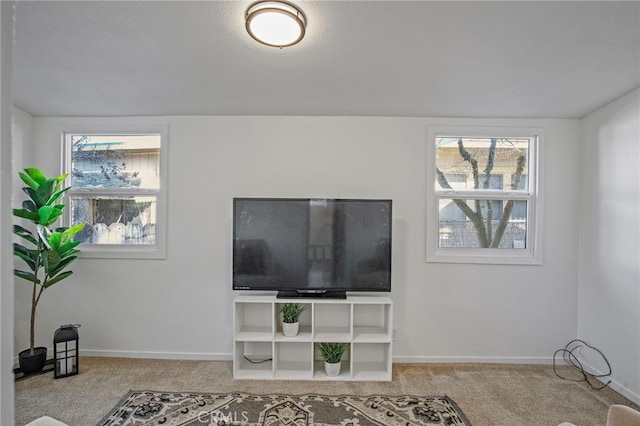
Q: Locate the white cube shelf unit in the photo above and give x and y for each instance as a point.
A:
(261, 351)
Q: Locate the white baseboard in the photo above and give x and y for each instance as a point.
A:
(396, 359)
(615, 385)
(624, 391)
(194, 356)
(472, 360)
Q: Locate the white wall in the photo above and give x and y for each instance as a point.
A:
(22, 152)
(609, 290)
(22, 148)
(6, 251)
(181, 306)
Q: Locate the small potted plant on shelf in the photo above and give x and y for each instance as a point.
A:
(332, 355)
(47, 252)
(291, 318)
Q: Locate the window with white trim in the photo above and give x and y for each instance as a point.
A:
(484, 195)
(117, 190)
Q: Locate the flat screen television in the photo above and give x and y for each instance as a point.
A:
(312, 247)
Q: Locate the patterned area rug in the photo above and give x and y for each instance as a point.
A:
(192, 409)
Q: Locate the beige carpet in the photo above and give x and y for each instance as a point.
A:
(489, 394)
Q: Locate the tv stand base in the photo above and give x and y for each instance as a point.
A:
(289, 294)
(261, 351)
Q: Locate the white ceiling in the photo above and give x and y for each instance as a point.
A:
(381, 58)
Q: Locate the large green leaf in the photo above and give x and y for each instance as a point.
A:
(46, 214)
(63, 264)
(67, 249)
(69, 253)
(30, 257)
(56, 196)
(35, 174)
(25, 233)
(55, 239)
(19, 230)
(59, 180)
(51, 259)
(33, 194)
(45, 191)
(29, 276)
(26, 214)
(58, 278)
(62, 241)
(30, 262)
(69, 233)
(44, 233)
(73, 230)
(32, 254)
(29, 180)
(29, 206)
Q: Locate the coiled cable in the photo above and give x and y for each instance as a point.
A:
(570, 358)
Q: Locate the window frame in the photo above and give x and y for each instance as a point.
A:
(121, 251)
(532, 254)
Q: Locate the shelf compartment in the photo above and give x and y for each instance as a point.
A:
(371, 322)
(305, 315)
(293, 360)
(305, 323)
(258, 352)
(253, 321)
(332, 322)
(371, 361)
(318, 365)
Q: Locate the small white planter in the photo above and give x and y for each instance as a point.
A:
(290, 329)
(332, 370)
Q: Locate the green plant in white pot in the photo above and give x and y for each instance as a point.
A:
(291, 318)
(331, 353)
(46, 252)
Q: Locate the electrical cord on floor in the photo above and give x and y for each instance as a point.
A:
(571, 359)
(252, 361)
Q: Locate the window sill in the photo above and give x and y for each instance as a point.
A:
(108, 251)
(485, 256)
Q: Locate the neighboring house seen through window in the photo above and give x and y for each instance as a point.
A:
(117, 190)
(483, 198)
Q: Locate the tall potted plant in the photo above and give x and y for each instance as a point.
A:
(47, 251)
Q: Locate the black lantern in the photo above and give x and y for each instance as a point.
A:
(65, 349)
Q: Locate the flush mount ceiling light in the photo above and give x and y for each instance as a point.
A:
(275, 23)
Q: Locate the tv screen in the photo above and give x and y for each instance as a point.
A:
(311, 247)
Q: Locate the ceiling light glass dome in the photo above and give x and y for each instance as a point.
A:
(275, 23)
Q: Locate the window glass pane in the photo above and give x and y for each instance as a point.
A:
(115, 161)
(485, 162)
(494, 182)
(115, 220)
(457, 181)
(457, 230)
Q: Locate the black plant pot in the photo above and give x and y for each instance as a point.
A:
(32, 363)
